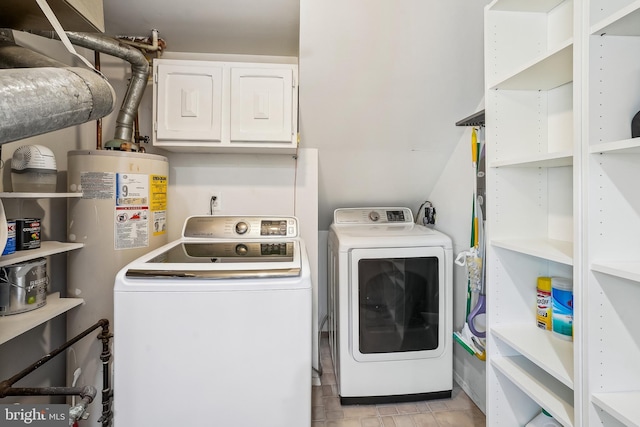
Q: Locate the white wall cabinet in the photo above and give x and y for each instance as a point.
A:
(230, 107)
(562, 86)
(189, 100)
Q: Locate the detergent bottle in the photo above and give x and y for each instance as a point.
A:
(543, 303)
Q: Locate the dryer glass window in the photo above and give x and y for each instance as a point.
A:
(398, 305)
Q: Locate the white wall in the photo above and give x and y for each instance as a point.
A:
(381, 87)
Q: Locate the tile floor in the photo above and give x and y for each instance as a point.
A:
(459, 411)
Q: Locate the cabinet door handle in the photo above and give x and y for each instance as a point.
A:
(189, 103)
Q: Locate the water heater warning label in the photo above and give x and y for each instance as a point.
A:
(131, 227)
(158, 184)
(158, 203)
(131, 211)
(132, 189)
(97, 185)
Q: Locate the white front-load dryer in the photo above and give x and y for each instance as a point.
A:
(390, 307)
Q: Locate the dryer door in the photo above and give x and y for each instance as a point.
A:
(397, 300)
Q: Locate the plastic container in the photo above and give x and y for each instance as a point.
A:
(10, 246)
(543, 419)
(33, 169)
(543, 303)
(34, 181)
(562, 308)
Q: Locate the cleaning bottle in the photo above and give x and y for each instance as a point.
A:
(543, 419)
(562, 308)
(543, 303)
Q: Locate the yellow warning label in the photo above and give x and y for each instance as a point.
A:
(158, 192)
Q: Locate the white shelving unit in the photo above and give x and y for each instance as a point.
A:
(532, 157)
(46, 248)
(612, 213)
(546, 249)
(622, 406)
(562, 86)
(23, 195)
(17, 324)
(538, 386)
(546, 160)
(552, 355)
(13, 325)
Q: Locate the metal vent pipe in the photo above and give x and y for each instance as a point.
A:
(34, 101)
(137, 85)
(53, 96)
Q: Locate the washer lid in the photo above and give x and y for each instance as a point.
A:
(215, 259)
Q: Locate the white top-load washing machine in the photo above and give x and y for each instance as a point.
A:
(214, 329)
(390, 306)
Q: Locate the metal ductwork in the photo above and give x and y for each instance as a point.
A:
(50, 97)
(139, 77)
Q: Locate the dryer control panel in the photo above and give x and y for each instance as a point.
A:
(373, 216)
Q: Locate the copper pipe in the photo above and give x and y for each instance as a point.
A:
(96, 57)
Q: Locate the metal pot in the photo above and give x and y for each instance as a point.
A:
(23, 286)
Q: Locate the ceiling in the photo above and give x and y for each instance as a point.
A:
(253, 27)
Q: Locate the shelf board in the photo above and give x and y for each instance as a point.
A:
(629, 270)
(552, 250)
(625, 146)
(17, 324)
(539, 386)
(25, 195)
(74, 15)
(476, 119)
(542, 6)
(552, 354)
(547, 160)
(46, 248)
(623, 406)
(546, 72)
(625, 22)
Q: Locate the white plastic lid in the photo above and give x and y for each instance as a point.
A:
(562, 283)
(30, 157)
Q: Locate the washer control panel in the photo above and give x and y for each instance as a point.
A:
(240, 227)
(373, 216)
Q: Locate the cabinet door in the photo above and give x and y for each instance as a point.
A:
(262, 104)
(189, 102)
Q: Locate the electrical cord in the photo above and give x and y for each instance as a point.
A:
(429, 214)
(212, 203)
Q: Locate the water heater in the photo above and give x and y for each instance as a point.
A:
(121, 216)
